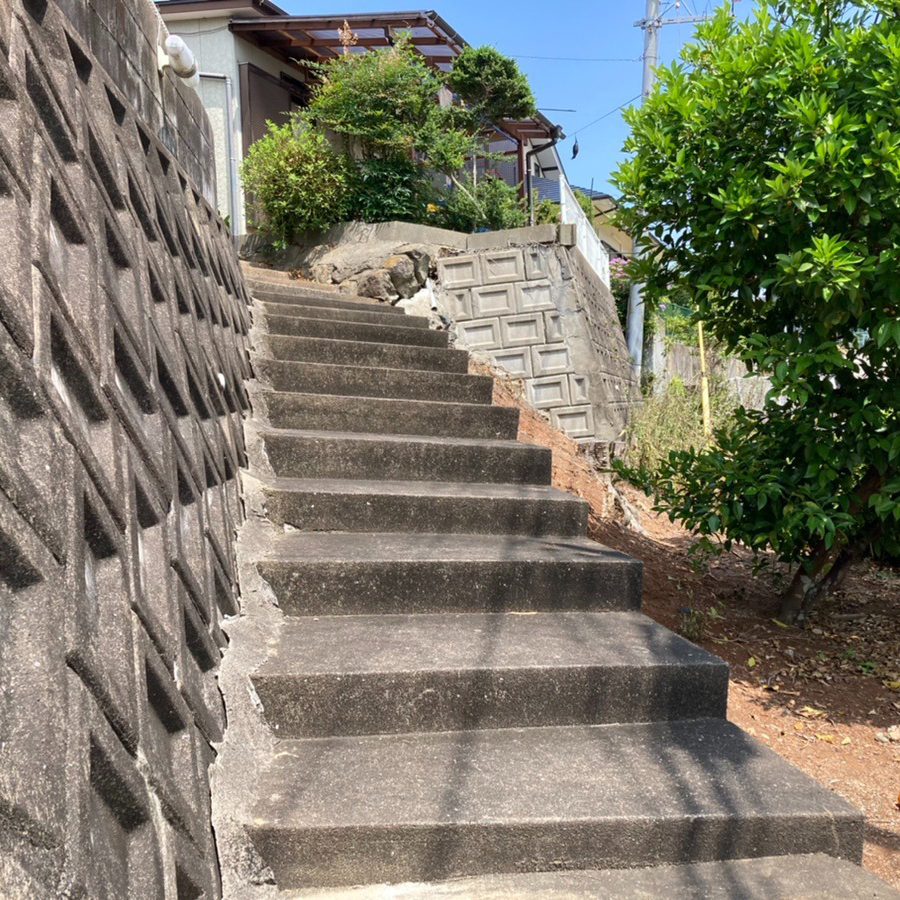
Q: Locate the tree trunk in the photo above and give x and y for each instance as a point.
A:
(829, 567)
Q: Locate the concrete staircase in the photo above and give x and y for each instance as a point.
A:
(463, 683)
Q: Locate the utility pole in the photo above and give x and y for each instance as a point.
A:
(650, 25)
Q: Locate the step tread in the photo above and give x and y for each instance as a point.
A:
(397, 402)
(800, 877)
(325, 313)
(361, 332)
(420, 489)
(350, 380)
(397, 438)
(336, 300)
(440, 359)
(477, 641)
(315, 547)
(690, 770)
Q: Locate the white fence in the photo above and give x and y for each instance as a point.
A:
(586, 238)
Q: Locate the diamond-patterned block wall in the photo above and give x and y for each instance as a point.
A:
(123, 349)
(538, 312)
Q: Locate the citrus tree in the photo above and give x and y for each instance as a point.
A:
(766, 164)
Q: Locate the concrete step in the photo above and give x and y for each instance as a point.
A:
(795, 877)
(300, 326)
(312, 297)
(425, 507)
(365, 353)
(370, 415)
(365, 381)
(338, 315)
(324, 454)
(424, 807)
(359, 574)
(355, 675)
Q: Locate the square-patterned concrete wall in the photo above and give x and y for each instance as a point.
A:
(538, 311)
(123, 323)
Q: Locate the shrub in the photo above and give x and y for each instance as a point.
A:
(587, 206)
(492, 204)
(672, 422)
(387, 190)
(295, 180)
(546, 213)
(381, 102)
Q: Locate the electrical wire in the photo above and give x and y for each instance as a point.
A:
(580, 58)
(605, 115)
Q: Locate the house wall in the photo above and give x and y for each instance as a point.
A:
(220, 52)
(123, 348)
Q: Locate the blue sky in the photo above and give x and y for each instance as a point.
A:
(564, 28)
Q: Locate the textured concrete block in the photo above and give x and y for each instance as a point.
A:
(537, 262)
(576, 422)
(550, 359)
(518, 331)
(123, 336)
(480, 334)
(532, 296)
(545, 393)
(459, 272)
(517, 362)
(553, 326)
(579, 387)
(459, 305)
(493, 301)
(499, 267)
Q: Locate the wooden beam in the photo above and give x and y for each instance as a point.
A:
(286, 36)
(305, 23)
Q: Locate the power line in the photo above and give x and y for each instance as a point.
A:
(580, 58)
(606, 115)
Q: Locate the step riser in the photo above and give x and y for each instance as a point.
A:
(293, 456)
(410, 853)
(369, 416)
(351, 331)
(293, 310)
(361, 353)
(353, 381)
(324, 299)
(385, 703)
(425, 515)
(359, 588)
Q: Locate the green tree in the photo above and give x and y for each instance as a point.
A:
(491, 86)
(295, 180)
(383, 104)
(767, 165)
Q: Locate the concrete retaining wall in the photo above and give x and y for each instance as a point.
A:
(537, 309)
(123, 325)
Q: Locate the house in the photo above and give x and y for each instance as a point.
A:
(251, 59)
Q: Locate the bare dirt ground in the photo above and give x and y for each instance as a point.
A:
(826, 698)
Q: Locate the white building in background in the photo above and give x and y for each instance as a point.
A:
(250, 57)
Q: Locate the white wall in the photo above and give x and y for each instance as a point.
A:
(220, 52)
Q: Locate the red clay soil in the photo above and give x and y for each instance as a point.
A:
(825, 697)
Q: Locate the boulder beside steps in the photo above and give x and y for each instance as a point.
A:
(465, 698)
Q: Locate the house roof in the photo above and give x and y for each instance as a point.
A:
(193, 9)
(316, 37)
